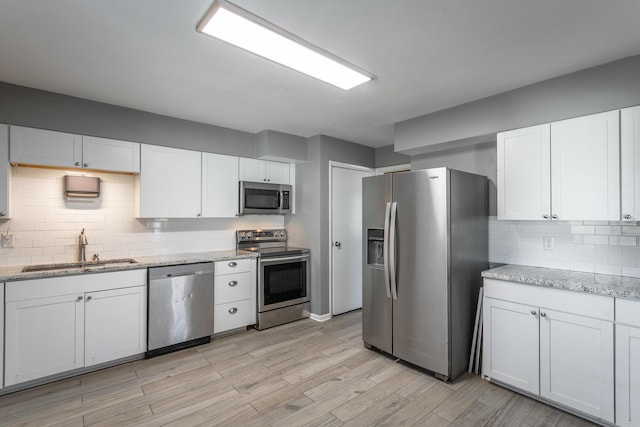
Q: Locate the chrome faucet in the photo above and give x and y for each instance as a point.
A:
(82, 246)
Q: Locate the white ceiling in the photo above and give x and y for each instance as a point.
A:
(427, 55)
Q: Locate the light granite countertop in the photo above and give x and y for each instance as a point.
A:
(599, 284)
(8, 274)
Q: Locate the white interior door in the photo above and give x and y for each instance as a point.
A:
(346, 239)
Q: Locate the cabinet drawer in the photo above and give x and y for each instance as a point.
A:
(232, 287)
(628, 312)
(231, 316)
(584, 304)
(233, 266)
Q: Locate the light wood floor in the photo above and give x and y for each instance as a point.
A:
(303, 373)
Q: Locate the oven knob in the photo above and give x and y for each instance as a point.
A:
(242, 234)
(249, 234)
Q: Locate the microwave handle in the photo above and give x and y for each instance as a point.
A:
(280, 199)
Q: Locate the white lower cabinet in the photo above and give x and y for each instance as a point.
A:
(1, 335)
(627, 363)
(552, 343)
(60, 324)
(234, 294)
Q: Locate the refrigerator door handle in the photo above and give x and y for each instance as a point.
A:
(385, 250)
(392, 250)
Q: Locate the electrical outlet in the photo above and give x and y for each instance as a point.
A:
(548, 242)
(6, 240)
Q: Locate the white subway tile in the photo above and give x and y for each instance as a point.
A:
(596, 240)
(582, 229)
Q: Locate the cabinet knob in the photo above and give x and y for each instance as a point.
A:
(85, 165)
(627, 216)
(76, 164)
(2, 214)
(545, 216)
(534, 312)
(233, 310)
(79, 298)
(543, 314)
(554, 216)
(199, 215)
(233, 264)
(233, 283)
(89, 298)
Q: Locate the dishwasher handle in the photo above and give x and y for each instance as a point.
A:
(188, 273)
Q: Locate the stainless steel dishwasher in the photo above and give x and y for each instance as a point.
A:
(180, 307)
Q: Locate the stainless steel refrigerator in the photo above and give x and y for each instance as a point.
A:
(425, 244)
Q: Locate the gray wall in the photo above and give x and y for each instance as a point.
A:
(309, 227)
(480, 159)
(274, 145)
(46, 110)
(606, 87)
(386, 156)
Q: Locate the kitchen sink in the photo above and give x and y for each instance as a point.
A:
(72, 265)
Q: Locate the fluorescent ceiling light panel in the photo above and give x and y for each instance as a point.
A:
(240, 28)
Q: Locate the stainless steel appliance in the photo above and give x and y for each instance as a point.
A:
(425, 244)
(283, 276)
(264, 198)
(180, 307)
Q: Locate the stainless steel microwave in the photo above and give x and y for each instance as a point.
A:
(263, 198)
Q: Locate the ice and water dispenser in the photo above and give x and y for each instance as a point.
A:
(375, 247)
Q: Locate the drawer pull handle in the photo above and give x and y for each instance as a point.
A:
(89, 298)
(233, 264)
(79, 298)
(233, 310)
(233, 283)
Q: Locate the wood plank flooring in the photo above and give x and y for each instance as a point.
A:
(302, 373)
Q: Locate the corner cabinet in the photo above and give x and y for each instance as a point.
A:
(630, 163)
(59, 149)
(66, 323)
(234, 294)
(552, 343)
(5, 171)
(627, 363)
(264, 171)
(169, 184)
(566, 170)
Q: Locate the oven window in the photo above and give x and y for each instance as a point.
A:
(260, 199)
(284, 282)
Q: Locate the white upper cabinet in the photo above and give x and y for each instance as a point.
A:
(45, 147)
(524, 179)
(60, 149)
(585, 168)
(169, 183)
(566, 170)
(110, 154)
(630, 163)
(264, 171)
(219, 186)
(4, 172)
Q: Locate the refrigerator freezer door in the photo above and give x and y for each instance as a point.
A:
(376, 305)
(420, 314)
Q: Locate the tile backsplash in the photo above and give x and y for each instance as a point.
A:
(588, 246)
(46, 226)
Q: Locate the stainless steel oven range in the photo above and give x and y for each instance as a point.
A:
(283, 276)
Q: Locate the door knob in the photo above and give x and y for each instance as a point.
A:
(338, 244)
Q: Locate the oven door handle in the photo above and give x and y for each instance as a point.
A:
(289, 258)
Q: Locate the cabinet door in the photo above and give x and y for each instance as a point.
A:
(169, 183)
(524, 178)
(630, 163)
(510, 346)
(585, 168)
(277, 172)
(45, 147)
(252, 170)
(44, 336)
(1, 335)
(627, 376)
(219, 186)
(576, 362)
(4, 172)
(115, 324)
(110, 154)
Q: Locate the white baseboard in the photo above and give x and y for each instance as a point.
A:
(320, 317)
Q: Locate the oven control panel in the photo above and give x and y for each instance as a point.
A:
(275, 235)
